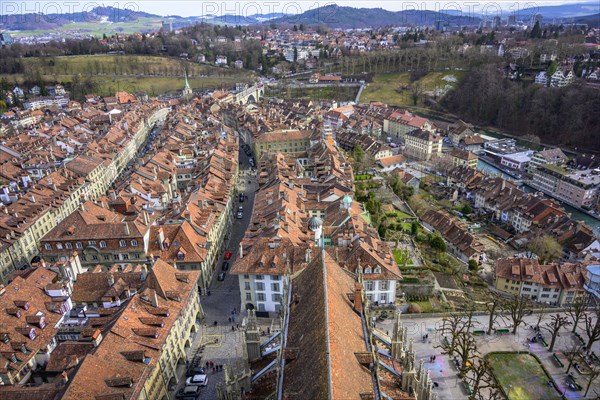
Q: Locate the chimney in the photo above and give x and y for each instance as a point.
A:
(154, 299)
(241, 250)
(358, 297)
(144, 272)
(111, 279)
(146, 218)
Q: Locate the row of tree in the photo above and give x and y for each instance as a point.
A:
(475, 369)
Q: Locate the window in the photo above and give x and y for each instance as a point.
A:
(369, 296)
(260, 286)
(102, 244)
(259, 277)
(52, 259)
(377, 271)
(369, 286)
(68, 245)
(125, 256)
(275, 277)
(383, 285)
(276, 297)
(106, 257)
(368, 270)
(115, 256)
(248, 296)
(136, 255)
(133, 243)
(260, 296)
(275, 287)
(59, 246)
(95, 257)
(261, 307)
(92, 242)
(246, 285)
(78, 245)
(48, 246)
(122, 243)
(383, 298)
(246, 276)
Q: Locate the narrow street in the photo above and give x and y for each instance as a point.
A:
(221, 343)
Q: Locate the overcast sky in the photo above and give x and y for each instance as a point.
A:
(249, 7)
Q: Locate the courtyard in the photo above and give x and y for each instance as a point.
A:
(521, 376)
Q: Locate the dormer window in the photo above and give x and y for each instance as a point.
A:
(368, 270)
(102, 244)
(134, 243)
(78, 245)
(180, 255)
(68, 245)
(59, 246)
(122, 243)
(377, 270)
(48, 246)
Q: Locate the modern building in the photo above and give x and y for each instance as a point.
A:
(592, 281)
(578, 188)
(546, 157)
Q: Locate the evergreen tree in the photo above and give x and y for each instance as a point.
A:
(536, 32)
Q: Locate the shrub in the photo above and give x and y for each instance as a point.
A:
(414, 309)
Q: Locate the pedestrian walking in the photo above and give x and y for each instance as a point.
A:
(232, 319)
(229, 319)
(232, 328)
(238, 326)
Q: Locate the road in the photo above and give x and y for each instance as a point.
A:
(224, 297)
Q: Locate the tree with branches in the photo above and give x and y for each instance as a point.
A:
(571, 354)
(494, 308)
(517, 308)
(462, 341)
(576, 308)
(592, 376)
(482, 382)
(592, 326)
(557, 322)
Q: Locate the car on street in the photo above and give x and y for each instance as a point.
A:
(240, 215)
(188, 392)
(197, 380)
(225, 266)
(228, 255)
(195, 371)
(221, 276)
(241, 197)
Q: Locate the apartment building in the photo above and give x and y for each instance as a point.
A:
(546, 157)
(578, 188)
(422, 145)
(555, 284)
(31, 309)
(140, 354)
(289, 141)
(401, 123)
(100, 235)
(463, 157)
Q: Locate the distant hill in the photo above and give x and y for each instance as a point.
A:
(561, 11)
(349, 17)
(592, 20)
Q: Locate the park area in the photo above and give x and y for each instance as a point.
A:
(521, 376)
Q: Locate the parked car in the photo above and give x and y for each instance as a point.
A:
(221, 276)
(227, 255)
(242, 197)
(240, 215)
(225, 266)
(195, 371)
(197, 380)
(188, 393)
(240, 209)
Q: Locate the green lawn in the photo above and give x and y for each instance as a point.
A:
(524, 373)
(401, 257)
(426, 306)
(383, 88)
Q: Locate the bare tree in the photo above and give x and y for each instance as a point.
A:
(462, 341)
(592, 327)
(482, 382)
(495, 308)
(571, 354)
(594, 373)
(576, 308)
(554, 326)
(517, 307)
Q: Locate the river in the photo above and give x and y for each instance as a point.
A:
(575, 213)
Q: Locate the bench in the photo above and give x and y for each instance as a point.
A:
(468, 388)
(501, 331)
(478, 333)
(560, 363)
